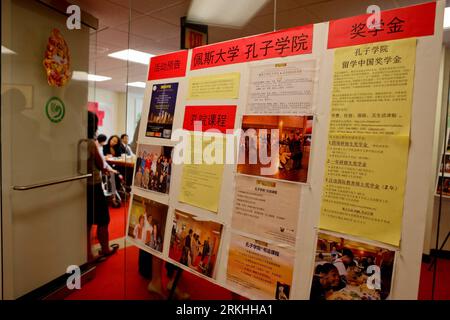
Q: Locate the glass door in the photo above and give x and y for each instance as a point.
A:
(44, 98)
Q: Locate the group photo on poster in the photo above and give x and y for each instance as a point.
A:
(147, 222)
(195, 242)
(162, 110)
(291, 161)
(443, 186)
(351, 270)
(446, 165)
(153, 168)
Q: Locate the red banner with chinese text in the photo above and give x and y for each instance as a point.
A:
(212, 117)
(414, 21)
(171, 65)
(277, 44)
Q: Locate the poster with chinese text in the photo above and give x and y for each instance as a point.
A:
(266, 208)
(259, 270)
(368, 140)
(282, 88)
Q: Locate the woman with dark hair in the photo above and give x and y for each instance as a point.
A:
(112, 148)
(97, 205)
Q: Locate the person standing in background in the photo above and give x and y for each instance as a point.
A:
(97, 205)
(205, 251)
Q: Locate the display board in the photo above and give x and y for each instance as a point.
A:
(269, 163)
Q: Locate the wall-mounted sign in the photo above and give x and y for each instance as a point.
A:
(401, 23)
(55, 109)
(94, 107)
(192, 34)
(171, 65)
(57, 60)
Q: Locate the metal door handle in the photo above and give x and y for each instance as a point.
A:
(51, 183)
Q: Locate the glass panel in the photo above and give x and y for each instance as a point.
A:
(108, 99)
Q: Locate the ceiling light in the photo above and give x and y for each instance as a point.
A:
(5, 50)
(446, 19)
(132, 55)
(137, 84)
(226, 13)
(84, 76)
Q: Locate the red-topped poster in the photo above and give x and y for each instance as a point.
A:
(277, 44)
(171, 65)
(211, 117)
(414, 21)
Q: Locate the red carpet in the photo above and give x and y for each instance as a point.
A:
(442, 289)
(118, 278)
(110, 284)
(117, 224)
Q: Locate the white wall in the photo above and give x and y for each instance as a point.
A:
(114, 105)
(134, 108)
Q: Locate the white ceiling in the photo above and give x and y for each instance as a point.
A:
(153, 26)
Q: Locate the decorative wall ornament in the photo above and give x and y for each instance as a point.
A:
(57, 60)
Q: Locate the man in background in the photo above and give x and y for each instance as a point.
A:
(124, 145)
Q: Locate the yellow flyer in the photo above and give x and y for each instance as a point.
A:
(372, 88)
(259, 270)
(368, 140)
(222, 86)
(201, 179)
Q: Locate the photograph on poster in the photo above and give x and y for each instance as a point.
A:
(153, 168)
(195, 242)
(351, 270)
(259, 270)
(291, 162)
(147, 222)
(162, 109)
(446, 164)
(282, 88)
(282, 292)
(444, 186)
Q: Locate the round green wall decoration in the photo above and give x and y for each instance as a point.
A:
(55, 109)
